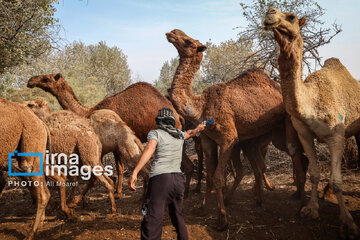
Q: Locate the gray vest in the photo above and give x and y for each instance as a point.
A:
(168, 153)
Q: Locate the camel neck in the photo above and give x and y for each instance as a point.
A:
(292, 86)
(182, 96)
(68, 100)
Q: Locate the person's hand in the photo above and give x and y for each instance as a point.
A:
(132, 182)
(201, 126)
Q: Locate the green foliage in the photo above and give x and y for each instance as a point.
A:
(93, 72)
(315, 33)
(27, 30)
(163, 83)
(225, 61)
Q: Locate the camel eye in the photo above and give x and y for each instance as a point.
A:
(291, 18)
(45, 80)
(188, 42)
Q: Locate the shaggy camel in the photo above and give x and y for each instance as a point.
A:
(234, 121)
(325, 106)
(137, 106)
(21, 130)
(70, 133)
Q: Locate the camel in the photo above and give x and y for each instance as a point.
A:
(70, 133)
(21, 130)
(137, 106)
(245, 111)
(115, 136)
(325, 106)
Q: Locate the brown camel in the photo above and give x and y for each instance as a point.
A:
(137, 106)
(21, 130)
(245, 110)
(325, 106)
(70, 133)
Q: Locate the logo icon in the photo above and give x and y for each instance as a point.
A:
(25, 174)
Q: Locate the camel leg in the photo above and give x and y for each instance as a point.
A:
(72, 191)
(348, 227)
(2, 181)
(357, 137)
(211, 159)
(43, 196)
(300, 162)
(199, 151)
(75, 201)
(120, 170)
(218, 178)
(254, 154)
(235, 157)
(62, 192)
(307, 141)
(189, 169)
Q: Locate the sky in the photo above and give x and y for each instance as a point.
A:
(138, 27)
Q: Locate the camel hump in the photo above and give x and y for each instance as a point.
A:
(253, 76)
(333, 63)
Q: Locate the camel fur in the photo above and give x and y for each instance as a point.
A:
(246, 108)
(325, 106)
(70, 133)
(21, 130)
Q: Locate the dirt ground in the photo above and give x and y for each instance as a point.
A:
(277, 218)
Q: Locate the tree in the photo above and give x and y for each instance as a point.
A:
(110, 66)
(225, 61)
(163, 83)
(265, 48)
(85, 68)
(27, 30)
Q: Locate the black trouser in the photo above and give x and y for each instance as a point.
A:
(164, 190)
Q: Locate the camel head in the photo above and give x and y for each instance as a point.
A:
(39, 107)
(286, 27)
(46, 82)
(186, 46)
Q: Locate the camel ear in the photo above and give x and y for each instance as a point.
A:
(302, 22)
(57, 76)
(201, 48)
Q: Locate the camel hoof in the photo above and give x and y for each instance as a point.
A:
(223, 223)
(308, 211)
(72, 205)
(119, 195)
(111, 215)
(349, 231)
(270, 187)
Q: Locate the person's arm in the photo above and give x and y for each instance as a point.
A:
(145, 157)
(192, 132)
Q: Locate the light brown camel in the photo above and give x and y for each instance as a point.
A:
(326, 106)
(21, 130)
(245, 110)
(137, 106)
(117, 137)
(70, 133)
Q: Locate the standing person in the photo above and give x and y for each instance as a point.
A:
(166, 184)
